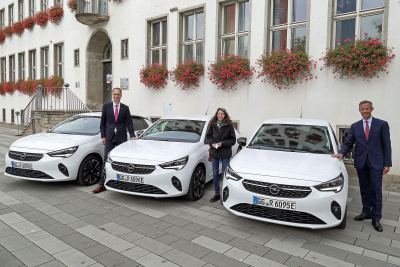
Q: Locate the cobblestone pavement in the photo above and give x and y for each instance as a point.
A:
(62, 224)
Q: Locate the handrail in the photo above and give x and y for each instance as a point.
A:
(92, 7)
(27, 113)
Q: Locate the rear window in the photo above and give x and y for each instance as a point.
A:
(139, 123)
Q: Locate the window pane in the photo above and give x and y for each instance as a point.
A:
(372, 25)
(187, 52)
(156, 34)
(155, 56)
(200, 25)
(229, 19)
(164, 56)
(229, 46)
(279, 39)
(199, 52)
(164, 32)
(299, 10)
(243, 46)
(280, 11)
(189, 27)
(244, 16)
(367, 4)
(345, 29)
(344, 6)
(299, 39)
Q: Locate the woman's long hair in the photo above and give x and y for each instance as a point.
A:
(227, 119)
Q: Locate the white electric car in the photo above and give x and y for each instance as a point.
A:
(72, 150)
(286, 175)
(170, 159)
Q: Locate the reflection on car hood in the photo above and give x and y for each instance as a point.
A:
(291, 165)
(51, 141)
(152, 151)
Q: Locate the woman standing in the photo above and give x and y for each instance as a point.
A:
(221, 137)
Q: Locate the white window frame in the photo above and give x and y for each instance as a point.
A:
(59, 53)
(44, 5)
(2, 18)
(76, 58)
(21, 66)
(32, 8)
(44, 54)
(195, 41)
(358, 14)
(21, 10)
(288, 26)
(32, 64)
(11, 62)
(161, 46)
(125, 48)
(58, 2)
(3, 66)
(10, 14)
(236, 34)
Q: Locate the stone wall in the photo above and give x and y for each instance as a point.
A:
(44, 120)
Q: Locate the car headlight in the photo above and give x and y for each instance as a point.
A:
(231, 174)
(109, 159)
(176, 164)
(63, 153)
(334, 185)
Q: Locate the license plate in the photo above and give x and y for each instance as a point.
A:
(130, 179)
(274, 203)
(21, 165)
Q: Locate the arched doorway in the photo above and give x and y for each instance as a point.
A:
(98, 66)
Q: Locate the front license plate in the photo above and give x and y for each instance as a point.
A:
(130, 179)
(274, 203)
(21, 165)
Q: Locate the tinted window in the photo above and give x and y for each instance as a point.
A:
(79, 126)
(297, 138)
(175, 131)
(138, 123)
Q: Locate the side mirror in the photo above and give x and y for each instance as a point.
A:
(242, 141)
(139, 133)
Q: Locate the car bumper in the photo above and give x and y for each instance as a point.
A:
(312, 211)
(158, 184)
(45, 170)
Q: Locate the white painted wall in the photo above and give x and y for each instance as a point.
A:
(334, 100)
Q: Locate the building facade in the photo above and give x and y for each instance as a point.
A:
(137, 33)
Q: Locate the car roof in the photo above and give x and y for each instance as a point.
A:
(98, 114)
(188, 117)
(300, 121)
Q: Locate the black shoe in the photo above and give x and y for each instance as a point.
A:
(362, 217)
(377, 226)
(215, 198)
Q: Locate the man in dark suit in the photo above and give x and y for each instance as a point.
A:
(372, 159)
(115, 118)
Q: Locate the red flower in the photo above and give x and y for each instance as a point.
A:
(56, 13)
(187, 74)
(17, 28)
(28, 23)
(154, 76)
(41, 18)
(72, 5)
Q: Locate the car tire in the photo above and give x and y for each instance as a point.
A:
(197, 184)
(89, 171)
(342, 225)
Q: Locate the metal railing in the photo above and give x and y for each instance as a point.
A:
(92, 7)
(27, 113)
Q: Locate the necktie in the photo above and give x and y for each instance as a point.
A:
(116, 113)
(366, 129)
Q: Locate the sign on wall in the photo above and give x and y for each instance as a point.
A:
(124, 83)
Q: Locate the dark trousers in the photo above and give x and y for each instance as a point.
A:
(215, 167)
(110, 145)
(371, 190)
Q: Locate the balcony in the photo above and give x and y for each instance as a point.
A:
(90, 12)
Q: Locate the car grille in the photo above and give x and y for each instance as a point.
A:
(137, 188)
(24, 156)
(278, 190)
(277, 214)
(27, 173)
(132, 168)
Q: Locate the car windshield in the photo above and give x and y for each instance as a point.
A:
(79, 125)
(175, 131)
(294, 138)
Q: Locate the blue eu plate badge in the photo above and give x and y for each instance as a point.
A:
(118, 178)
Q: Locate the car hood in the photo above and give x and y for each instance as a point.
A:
(47, 142)
(289, 165)
(142, 151)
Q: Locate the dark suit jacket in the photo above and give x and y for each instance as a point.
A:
(377, 148)
(108, 124)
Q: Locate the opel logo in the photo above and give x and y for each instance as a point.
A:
(274, 189)
(131, 168)
(22, 156)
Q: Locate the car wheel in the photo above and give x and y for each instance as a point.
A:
(342, 225)
(197, 184)
(90, 171)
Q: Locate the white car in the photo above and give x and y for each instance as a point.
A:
(170, 159)
(286, 175)
(72, 150)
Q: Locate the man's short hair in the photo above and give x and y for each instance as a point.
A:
(120, 91)
(365, 102)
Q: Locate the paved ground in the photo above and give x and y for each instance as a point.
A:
(62, 224)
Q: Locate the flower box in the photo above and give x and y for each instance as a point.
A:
(28, 23)
(56, 13)
(187, 74)
(41, 18)
(154, 76)
(17, 28)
